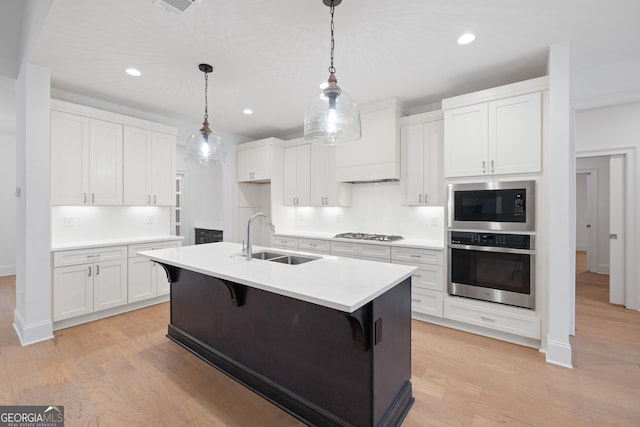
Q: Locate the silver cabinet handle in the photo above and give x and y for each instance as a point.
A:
(84, 197)
(97, 270)
(148, 199)
(426, 198)
(417, 275)
(483, 163)
(155, 200)
(419, 198)
(313, 244)
(89, 271)
(93, 198)
(488, 319)
(415, 300)
(93, 256)
(491, 166)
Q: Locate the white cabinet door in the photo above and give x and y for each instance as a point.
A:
(163, 169)
(413, 162)
(297, 175)
(422, 161)
(136, 166)
(105, 162)
(515, 134)
(466, 141)
(109, 284)
(244, 165)
(262, 163)
(72, 291)
(141, 279)
(69, 159)
(325, 188)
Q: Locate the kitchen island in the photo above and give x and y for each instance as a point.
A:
(328, 340)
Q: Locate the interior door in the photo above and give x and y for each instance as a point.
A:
(617, 210)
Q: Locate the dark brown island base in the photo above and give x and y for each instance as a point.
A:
(323, 366)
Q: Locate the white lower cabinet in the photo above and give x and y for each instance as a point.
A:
(314, 245)
(500, 319)
(284, 242)
(88, 280)
(427, 282)
(147, 279)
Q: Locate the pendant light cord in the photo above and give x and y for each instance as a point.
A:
(206, 98)
(332, 8)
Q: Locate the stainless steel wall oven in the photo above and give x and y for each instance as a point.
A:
(492, 267)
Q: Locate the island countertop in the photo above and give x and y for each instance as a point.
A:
(342, 284)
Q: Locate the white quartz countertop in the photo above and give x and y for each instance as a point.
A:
(405, 243)
(112, 242)
(342, 284)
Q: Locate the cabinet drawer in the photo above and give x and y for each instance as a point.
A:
(426, 302)
(134, 249)
(374, 251)
(527, 326)
(421, 256)
(349, 250)
(312, 245)
(83, 256)
(284, 242)
(427, 276)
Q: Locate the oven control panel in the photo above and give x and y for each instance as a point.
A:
(516, 241)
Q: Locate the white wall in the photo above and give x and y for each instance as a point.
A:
(8, 204)
(375, 208)
(600, 218)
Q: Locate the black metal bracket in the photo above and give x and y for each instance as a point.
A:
(360, 322)
(170, 270)
(236, 291)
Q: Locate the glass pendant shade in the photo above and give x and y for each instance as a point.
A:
(204, 147)
(332, 117)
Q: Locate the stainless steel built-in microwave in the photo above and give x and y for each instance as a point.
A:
(500, 206)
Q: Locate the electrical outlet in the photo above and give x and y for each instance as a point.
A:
(149, 220)
(68, 221)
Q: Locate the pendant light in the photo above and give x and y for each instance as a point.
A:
(205, 146)
(333, 117)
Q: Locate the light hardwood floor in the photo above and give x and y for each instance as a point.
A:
(124, 371)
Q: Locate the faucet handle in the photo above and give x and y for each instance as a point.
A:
(244, 249)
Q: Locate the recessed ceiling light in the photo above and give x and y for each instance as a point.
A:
(133, 72)
(247, 111)
(466, 38)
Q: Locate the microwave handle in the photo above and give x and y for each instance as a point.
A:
(492, 249)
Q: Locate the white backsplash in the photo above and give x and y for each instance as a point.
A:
(83, 223)
(375, 208)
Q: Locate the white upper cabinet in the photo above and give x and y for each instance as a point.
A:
(422, 159)
(254, 161)
(86, 161)
(149, 167)
(69, 159)
(297, 175)
(104, 158)
(325, 188)
(500, 136)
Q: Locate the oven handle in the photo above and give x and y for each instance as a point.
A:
(493, 249)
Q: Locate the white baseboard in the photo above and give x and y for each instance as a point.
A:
(7, 270)
(32, 333)
(559, 353)
(603, 269)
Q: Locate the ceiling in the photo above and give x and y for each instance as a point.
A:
(272, 56)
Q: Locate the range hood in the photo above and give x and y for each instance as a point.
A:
(376, 156)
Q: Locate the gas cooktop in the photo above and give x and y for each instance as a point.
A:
(367, 236)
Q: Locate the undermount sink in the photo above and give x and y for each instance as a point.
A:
(265, 256)
(282, 258)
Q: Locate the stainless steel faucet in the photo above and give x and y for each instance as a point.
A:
(249, 244)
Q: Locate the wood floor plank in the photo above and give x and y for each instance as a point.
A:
(124, 371)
